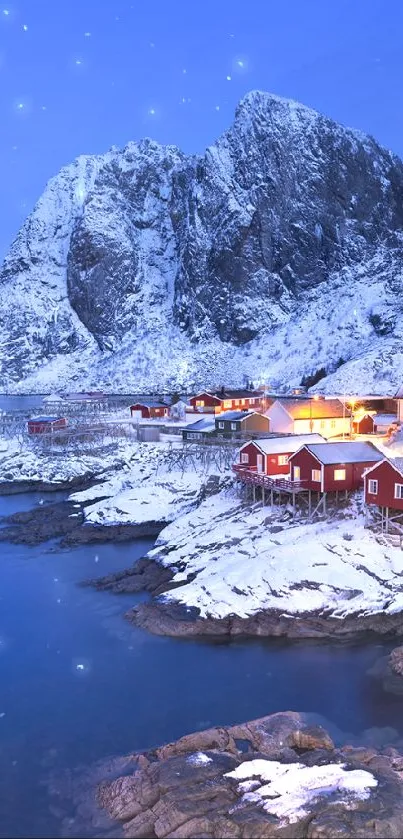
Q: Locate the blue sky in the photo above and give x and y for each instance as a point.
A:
(80, 76)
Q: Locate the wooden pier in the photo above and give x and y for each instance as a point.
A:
(278, 487)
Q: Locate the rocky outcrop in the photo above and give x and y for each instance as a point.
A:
(145, 267)
(388, 670)
(179, 621)
(273, 777)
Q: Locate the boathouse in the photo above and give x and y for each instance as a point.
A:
(270, 456)
(383, 488)
(217, 401)
(328, 417)
(45, 425)
(333, 466)
(149, 410)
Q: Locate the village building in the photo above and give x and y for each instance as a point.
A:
(328, 417)
(199, 430)
(363, 423)
(270, 456)
(216, 401)
(45, 425)
(334, 466)
(148, 409)
(385, 423)
(383, 488)
(234, 423)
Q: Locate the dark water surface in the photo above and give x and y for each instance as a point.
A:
(78, 683)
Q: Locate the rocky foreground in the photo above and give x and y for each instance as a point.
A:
(274, 777)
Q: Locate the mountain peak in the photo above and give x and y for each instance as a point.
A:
(146, 267)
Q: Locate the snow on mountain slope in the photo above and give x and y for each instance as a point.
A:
(276, 253)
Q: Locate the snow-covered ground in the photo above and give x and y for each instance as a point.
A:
(26, 462)
(245, 563)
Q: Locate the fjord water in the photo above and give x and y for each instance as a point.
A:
(78, 683)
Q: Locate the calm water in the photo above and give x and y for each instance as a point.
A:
(77, 683)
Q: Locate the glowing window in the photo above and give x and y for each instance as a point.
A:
(316, 476)
(340, 474)
(282, 459)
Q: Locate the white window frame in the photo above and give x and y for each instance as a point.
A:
(227, 404)
(333, 423)
(199, 403)
(372, 486)
(233, 426)
(252, 401)
(221, 425)
(341, 477)
(316, 472)
(244, 457)
(194, 435)
(399, 492)
(323, 423)
(282, 460)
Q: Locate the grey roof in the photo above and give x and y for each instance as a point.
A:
(385, 419)
(149, 403)
(285, 444)
(234, 415)
(204, 424)
(330, 453)
(45, 419)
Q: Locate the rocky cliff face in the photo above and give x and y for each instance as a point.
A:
(277, 252)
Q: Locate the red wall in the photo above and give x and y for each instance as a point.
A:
(209, 401)
(270, 461)
(148, 412)
(365, 426)
(306, 461)
(386, 476)
(45, 427)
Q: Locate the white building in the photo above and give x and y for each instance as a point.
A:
(328, 417)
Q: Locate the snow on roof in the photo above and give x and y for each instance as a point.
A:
(399, 393)
(396, 462)
(224, 393)
(44, 419)
(204, 424)
(235, 415)
(385, 419)
(286, 444)
(314, 408)
(345, 453)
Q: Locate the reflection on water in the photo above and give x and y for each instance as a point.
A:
(78, 683)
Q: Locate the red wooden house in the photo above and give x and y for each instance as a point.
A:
(383, 484)
(270, 456)
(150, 410)
(45, 425)
(216, 401)
(333, 466)
(363, 424)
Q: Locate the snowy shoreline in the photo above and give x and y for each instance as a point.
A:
(219, 566)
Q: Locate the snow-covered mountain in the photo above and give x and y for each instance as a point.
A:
(276, 253)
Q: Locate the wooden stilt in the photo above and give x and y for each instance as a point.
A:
(263, 495)
(324, 502)
(271, 498)
(254, 493)
(337, 496)
(309, 501)
(387, 519)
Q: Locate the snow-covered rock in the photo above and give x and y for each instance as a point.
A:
(143, 267)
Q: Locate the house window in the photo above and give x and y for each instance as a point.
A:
(373, 487)
(221, 425)
(194, 436)
(237, 401)
(399, 491)
(333, 424)
(199, 403)
(233, 426)
(340, 474)
(243, 401)
(227, 403)
(282, 459)
(244, 458)
(251, 401)
(316, 476)
(322, 424)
